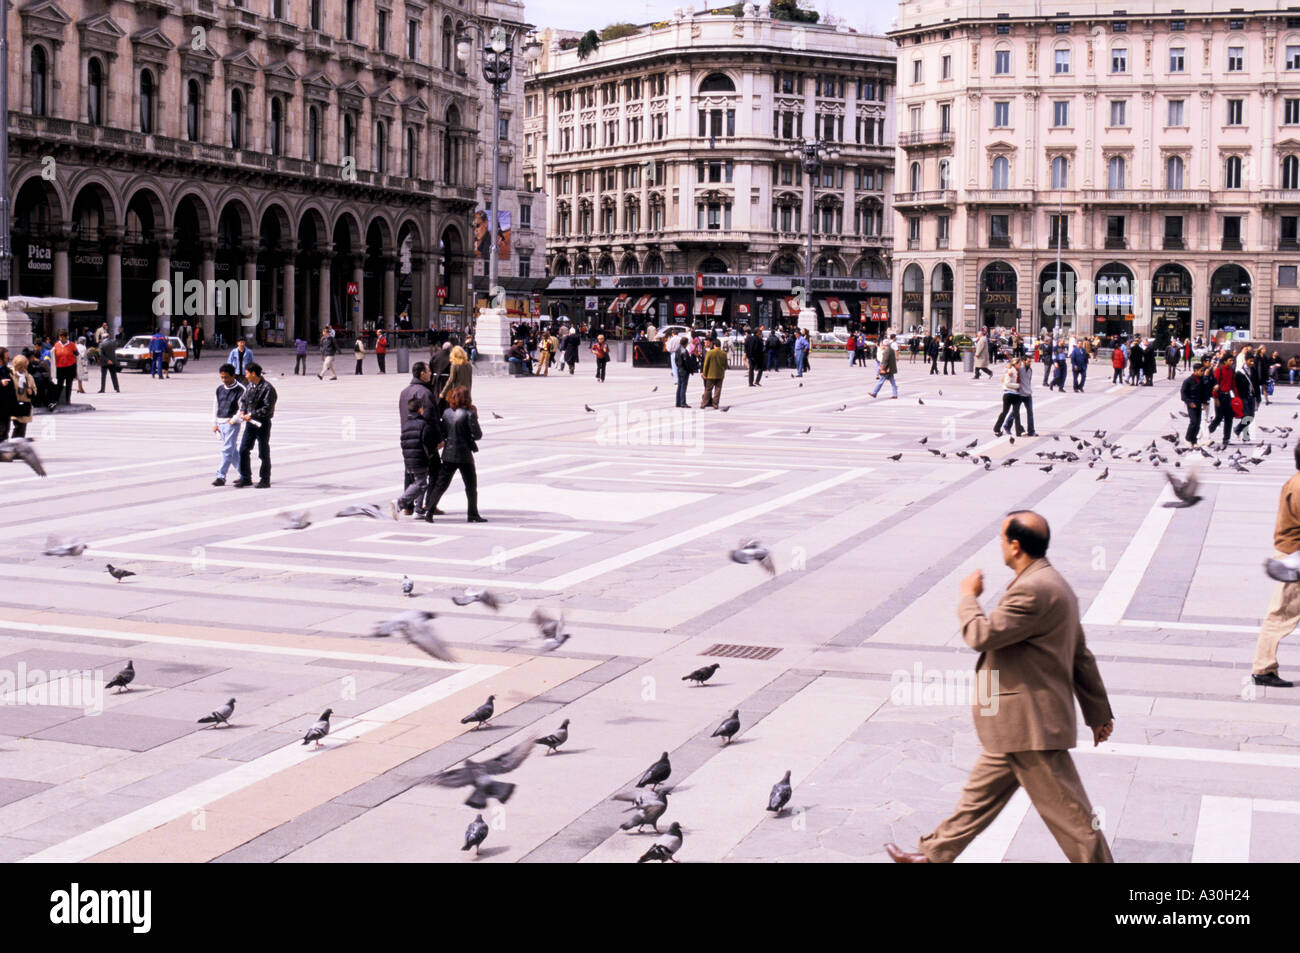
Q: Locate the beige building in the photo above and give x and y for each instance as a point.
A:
(1153, 151)
(331, 151)
(669, 192)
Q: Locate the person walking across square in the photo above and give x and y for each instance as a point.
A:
(886, 367)
(225, 420)
(715, 369)
(257, 407)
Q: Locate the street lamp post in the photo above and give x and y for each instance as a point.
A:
(810, 154)
(498, 66)
(6, 252)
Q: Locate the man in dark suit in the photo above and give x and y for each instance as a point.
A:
(1032, 649)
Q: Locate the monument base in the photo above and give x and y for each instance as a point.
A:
(15, 329)
(808, 322)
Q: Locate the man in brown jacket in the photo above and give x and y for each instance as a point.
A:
(1284, 607)
(887, 356)
(715, 368)
(1033, 648)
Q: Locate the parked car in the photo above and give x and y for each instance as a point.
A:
(135, 353)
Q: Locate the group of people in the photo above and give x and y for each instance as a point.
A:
(1230, 386)
(242, 411)
(534, 351)
(439, 435)
(329, 350)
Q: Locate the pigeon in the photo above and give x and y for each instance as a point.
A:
(552, 630)
(780, 795)
(55, 548)
(840, 408)
(221, 716)
(1012, 439)
(1184, 490)
(655, 388)
(924, 440)
(701, 675)
(1048, 468)
(657, 773)
(479, 775)
(896, 457)
(407, 586)
(588, 408)
(807, 429)
(1009, 460)
(728, 728)
(123, 678)
(725, 409)
(481, 714)
(11, 450)
(937, 453)
(490, 599)
(649, 807)
(299, 519)
(663, 849)
(475, 834)
(362, 509)
(1104, 473)
(752, 551)
(973, 443)
(319, 730)
(920, 401)
(1284, 570)
(415, 628)
(555, 738)
(940, 393)
(118, 574)
(496, 416)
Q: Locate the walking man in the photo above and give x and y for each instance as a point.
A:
(257, 407)
(887, 367)
(225, 420)
(1191, 394)
(754, 357)
(328, 351)
(1117, 360)
(157, 348)
(982, 354)
(1284, 607)
(65, 366)
(421, 389)
(1078, 366)
(1034, 658)
(240, 357)
(801, 346)
(421, 438)
(108, 362)
(715, 369)
(684, 365)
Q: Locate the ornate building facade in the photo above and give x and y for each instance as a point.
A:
(331, 151)
(1149, 157)
(668, 188)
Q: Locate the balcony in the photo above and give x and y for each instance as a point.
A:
(999, 241)
(1054, 242)
(1174, 244)
(1146, 196)
(941, 242)
(239, 20)
(354, 53)
(709, 236)
(418, 73)
(1288, 244)
(998, 196)
(1279, 196)
(1116, 242)
(913, 244)
(1232, 244)
(161, 7)
(199, 11)
(932, 197)
(316, 43)
(925, 139)
(283, 33)
(384, 64)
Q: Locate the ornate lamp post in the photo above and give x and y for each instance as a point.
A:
(6, 254)
(810, 154)
(498, 66)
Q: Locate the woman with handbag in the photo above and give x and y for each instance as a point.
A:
(20, 391)
(461, 434)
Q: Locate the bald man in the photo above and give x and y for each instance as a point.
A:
(1033, 662)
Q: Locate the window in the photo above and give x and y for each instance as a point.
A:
(193, 105)
(381, 30)
(1119, 26)
(277, 127)
(1236, 24)
(94, 92)
(1177, 26)
(1001, 114)
(1174, 173)
(381, 147)
(1291, 173)
(313, 134)
(916, 176)
(1000, 231)
(1061, 113)
(1119, 60)
(349, 137)
(945, 67)
(1286, 276)
(1001, 173)
(1177, 57)
(1173, 231)
(1234, 112)
(1004, 29)
(1062, 61)
(1058, 231)
(412, 165)
(1118, 112)
(1115, 231)
(315, 14)
(1062, 28)
(146, 101)
(38, 72)
(914, 229)
(1002, 62)
(1232, 173)
(503, 127)
(1176, 112)
(916, 71)
(412, 39)
(525, 266)
(945, 118)
(1232, 232)
(350, 19)
(1291, 111)
(1115, 172)
(941, 231)
(448, 40)
(236, 119)
(1287, 237)
(1236, 59)
(1293, 57)
(1060, 173)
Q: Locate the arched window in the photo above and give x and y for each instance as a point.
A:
(1291, 173)
(411, 164)
(1115, 172)
(450, 147)
(1001, 173)
(447, 41)
(713, 266)
(945, 174)
(349, 138)
(236, 119)
(277, 126)
(1232, 173)
(1060, 173)
(381, 146)
(456, 63)
(94, 92)
(146, 101)
(1174, 173)
(915, 176)
(192, 106)
(717, 83)
(38, 80)
(313, 134)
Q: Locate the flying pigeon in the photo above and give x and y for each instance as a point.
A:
(555, 738)
(414, 626)
(118, 574)
(23, 450)
(1284, 570)
(362, 509)
(123, 678)
(664, 848)
(319, 730)
(221, 716)
(475, 834)
(481, 714)
(752, 551)
(1104, 473)
(655, 388)
(490, 599)
(479, 775)
(728, 728)
(552, 630)
(299, 519)
(1184, 490)
(780, 795)
(55, 548)
(924, 440)
(407, 586)
(657, 773)
(649, 807)
(701, 675)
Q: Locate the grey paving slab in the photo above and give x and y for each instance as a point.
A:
(15, 789)
(286, 838)
(28, 720)
(246, 744)
(114, 730)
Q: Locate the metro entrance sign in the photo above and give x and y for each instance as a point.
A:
(352, 287)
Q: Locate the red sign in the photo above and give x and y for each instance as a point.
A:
(679, 309)
(442, 292)
(699, 281)
(742, 309)
(352, 287)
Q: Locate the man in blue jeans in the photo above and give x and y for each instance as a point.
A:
(888, 367)
(225, 421)
(800, 352)
(1079, 366)
(157, 348)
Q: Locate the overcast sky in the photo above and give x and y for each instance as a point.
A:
(873, 16)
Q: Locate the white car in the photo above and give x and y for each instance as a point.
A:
(135, 353)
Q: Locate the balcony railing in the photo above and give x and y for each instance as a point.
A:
(1113, 241)
(1280, 196)
(999, 241)
(913, 244)
(1232, 244)
(925, 137)
(1055, 242)
(929, 197)
(1146, 196)
(1288, 244)
(1174, 244)
(999, 196)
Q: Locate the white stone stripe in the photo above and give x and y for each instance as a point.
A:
(1268, 759)
(992, 844)
(1123, 582)
(1222, 831)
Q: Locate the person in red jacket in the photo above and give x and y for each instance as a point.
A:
(65, 365)
(381, 349)
(1117, 363)
(1225, 382)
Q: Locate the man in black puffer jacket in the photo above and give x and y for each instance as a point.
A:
(421, 438)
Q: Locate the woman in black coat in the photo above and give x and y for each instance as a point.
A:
(460, 433)
(571, 343)
(1149, 364)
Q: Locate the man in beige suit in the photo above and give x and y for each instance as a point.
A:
(1034, 642)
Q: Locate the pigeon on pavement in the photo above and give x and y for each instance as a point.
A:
(475, 834)
(1284, 570)
(118, 574)
(657, 773)
(896, 457)
(492, 600)
(414, 626)
(11, 450)
(221, 716)
(780, 795)
(555, 738)
(728, 728)
(753, 551)
(407, 586)
(648, 806)
(123, 678)
(372, 510)
(1184, 490)
(299, 519)
(701, 675)
(588, 409)
(663, 849)
(479, 775)
(552, 630)
(319, 730)
(54, 547)
(481, 714)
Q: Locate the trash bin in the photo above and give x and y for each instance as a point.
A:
(968, 360)
(620, 352)
(403, 360)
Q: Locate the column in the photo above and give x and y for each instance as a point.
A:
(390, 292)
(415, 309)
(60, 241)
(208, 272)
(358, 304)
(1266, 159)
(250, 297)
(323, 306)
(163, 316)
(289, 300)
(112, 246)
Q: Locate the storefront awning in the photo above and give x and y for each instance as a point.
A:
(709, 306)
(619, 303)
(835, 308)
(643, 304)
(790, 306)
